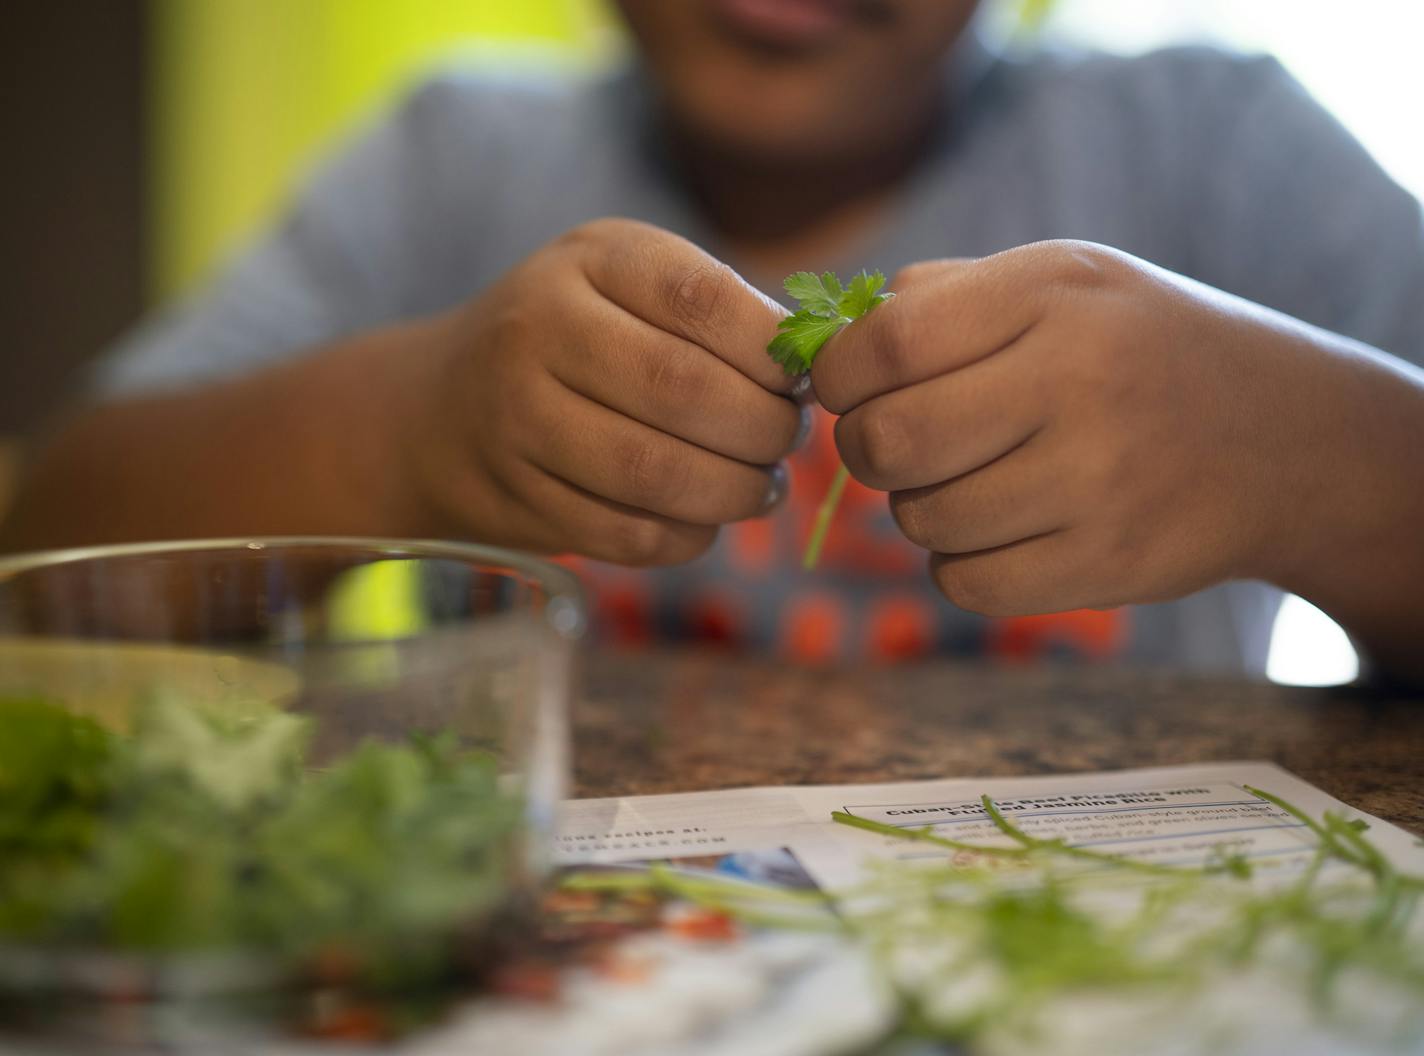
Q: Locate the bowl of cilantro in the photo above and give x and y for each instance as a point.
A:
(272, 766)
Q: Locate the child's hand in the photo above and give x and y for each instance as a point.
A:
(1064, 426)
(611, 396)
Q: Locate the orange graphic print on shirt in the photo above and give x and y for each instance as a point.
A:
(870, 598)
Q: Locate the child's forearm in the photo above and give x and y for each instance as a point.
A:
(1356, 545)
(301, 448)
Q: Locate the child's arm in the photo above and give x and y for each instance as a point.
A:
(610, 396)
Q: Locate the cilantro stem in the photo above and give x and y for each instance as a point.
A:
(827, 307)
(1027, 845)
(660, 877)
(824, 515)
(1324, 835)
(1033, 843)
(735, 898)
(924, 835)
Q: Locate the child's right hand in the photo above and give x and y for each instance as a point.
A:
(611, 396)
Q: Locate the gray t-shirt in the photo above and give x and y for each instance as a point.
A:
(1212, 165)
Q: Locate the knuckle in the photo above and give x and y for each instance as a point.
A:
(1088, 377)
(784, 431)
(922, 271)
(1104, 473)
(1075, 264)
(688, 542)
(499, 413)
(890, 342)
(913, 273)
(696, 295)
(970, 584)
(1098, 373)
(637, 540)
(512, 327)
(875, 442)
(603, 229)
(674, 380)
(508, 378)
(584, 235)
(919, 515)
(1124, 547)
(653, 472)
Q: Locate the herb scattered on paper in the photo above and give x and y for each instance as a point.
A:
(825, 307)
(200, 833)
(989, 947)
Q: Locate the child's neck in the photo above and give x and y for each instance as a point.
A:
(765, 259)
(774, 220)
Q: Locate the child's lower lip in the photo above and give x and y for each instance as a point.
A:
(785, 22)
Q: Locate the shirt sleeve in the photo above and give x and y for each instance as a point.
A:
(347, 256)
(1293, 213)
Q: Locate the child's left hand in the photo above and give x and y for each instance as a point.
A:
(1066, 426)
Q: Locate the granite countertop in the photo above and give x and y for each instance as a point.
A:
(672, 721)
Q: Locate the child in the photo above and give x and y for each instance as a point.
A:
(1149, 360)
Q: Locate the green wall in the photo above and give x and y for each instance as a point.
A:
(245, 94)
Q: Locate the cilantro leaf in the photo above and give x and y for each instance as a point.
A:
(862, 294)
(801, 336)
(820, 294)
(825, 307)
(236, 763)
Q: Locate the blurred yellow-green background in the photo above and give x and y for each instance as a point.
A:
(148, 138)
(279, 77)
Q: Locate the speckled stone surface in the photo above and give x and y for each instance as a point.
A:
(681, 721)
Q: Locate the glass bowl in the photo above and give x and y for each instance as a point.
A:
(251, 766)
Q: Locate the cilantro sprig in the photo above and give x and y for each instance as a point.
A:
(826, 306)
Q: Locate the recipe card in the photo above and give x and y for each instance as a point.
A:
(1180, 815)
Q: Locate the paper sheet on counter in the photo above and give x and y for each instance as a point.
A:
(1169, 815)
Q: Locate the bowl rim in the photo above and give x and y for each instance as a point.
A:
(565, 610)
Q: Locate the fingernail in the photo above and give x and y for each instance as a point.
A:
(803, 427)
(776, 490)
